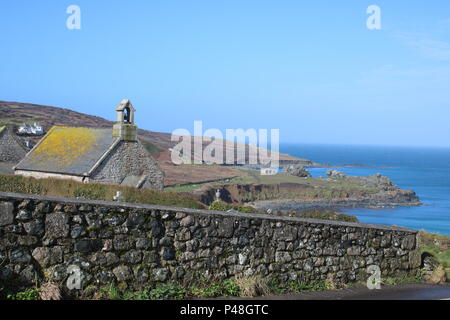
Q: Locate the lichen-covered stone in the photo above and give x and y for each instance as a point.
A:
(6, 213)
(122, 243)
(409, 242)
(122, 273)
(160, 274)
(132, 257)
(48, 256)
(56, 225)
(287, 233)
(143, 243)
(24, 215)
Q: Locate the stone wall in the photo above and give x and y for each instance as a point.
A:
(11, 149)
(138, 245)
(129, 158)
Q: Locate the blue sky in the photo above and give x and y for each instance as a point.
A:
(309, 68)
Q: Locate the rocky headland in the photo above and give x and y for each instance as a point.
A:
(336, 191)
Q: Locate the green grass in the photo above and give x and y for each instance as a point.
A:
(205, 289)
(442, 256)
(167, 291)
(208, 289)
(30, 294)
(174, 291)
(278, 288)
(94, 191)
(430, 243)
(400, 280)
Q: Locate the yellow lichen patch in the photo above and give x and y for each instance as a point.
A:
(1, 128)
(66, 145)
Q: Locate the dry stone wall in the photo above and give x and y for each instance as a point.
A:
(46, 238)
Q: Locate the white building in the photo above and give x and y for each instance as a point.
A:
(269, 171)
(34, 129)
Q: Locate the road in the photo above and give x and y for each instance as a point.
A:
(399, 292)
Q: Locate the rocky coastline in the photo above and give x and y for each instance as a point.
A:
(379, 201)
(335, 192)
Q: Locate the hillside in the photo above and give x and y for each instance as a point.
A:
(157, 143)
(17, 113)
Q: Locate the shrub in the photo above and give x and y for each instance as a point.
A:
(246, 209)
(219, 206)
(223, 206)
(277, 287)
(210, 289)
(207, 290)
(230, 288)
(168, 291)
(30, 294)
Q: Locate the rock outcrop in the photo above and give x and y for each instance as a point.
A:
(297, 171)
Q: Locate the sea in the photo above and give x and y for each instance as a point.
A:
(425, 170)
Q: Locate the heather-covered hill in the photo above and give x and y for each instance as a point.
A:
(158, 143)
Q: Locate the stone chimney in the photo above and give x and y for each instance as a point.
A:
(124, 127)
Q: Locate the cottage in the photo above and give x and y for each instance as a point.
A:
(32, 130)
(12, 148)
(114, 156)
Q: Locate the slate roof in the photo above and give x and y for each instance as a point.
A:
(69, 150)
(133, 181)
(19, 141)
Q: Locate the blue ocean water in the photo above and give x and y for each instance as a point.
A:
(424, 170)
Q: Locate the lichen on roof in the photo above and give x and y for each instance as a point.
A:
(67, 144)
(68, 150)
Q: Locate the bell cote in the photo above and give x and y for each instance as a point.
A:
(124, 127)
